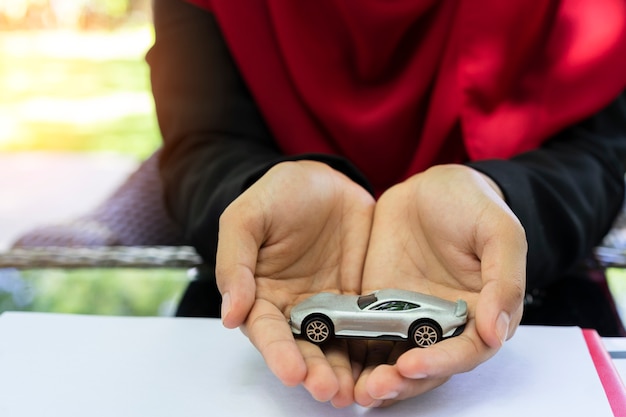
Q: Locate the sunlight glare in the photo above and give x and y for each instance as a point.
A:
(87, 110)
(9, 129)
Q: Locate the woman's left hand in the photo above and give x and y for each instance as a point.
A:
(449, 233)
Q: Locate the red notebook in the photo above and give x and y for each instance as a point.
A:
(611, 380)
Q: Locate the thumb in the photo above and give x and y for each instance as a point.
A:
(498, 312)
(501, 300)
(237, 250)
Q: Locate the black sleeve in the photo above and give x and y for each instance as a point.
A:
(566, 193)
(216, 142)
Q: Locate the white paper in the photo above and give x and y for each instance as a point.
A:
(77, 366)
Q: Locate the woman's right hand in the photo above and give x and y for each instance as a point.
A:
(301, 229)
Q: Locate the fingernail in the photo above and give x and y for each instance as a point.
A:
(389, 396)
(419, 375)
(502, 326)
(375, 403)
(225, 305)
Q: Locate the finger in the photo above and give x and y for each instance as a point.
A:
(238, 245)
(358, 353)
(444, 359)
(499, 311)
(387, 386)
(270, 333)
(320, 380)
(339, 358)
(377, 355)
(381, 384)
(503, 268)
(329, 372)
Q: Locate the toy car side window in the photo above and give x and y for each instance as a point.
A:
(391, 306)
(410, 306)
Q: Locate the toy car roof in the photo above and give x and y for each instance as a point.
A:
(414, 297)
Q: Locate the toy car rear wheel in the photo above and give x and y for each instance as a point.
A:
(425, 333)
(317, 329)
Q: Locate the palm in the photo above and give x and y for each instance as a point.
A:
(426, 247)
(447, 233)
(315, 240)
(301, 229)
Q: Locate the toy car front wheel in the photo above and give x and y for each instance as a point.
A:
(317, 329)
(425, 333)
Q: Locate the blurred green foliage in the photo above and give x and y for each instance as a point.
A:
(131, 135)
(616, 280)
(76, 102)
(82, 91)
(116, 8)
(76, 14)
(105, 291)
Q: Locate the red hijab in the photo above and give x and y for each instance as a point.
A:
(397, 86)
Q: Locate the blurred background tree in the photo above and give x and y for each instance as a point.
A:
(74, 79)
(73, 76)
(72, 14)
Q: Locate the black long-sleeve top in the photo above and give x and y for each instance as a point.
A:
(216, 143)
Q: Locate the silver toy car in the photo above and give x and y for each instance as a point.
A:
(386, 314)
